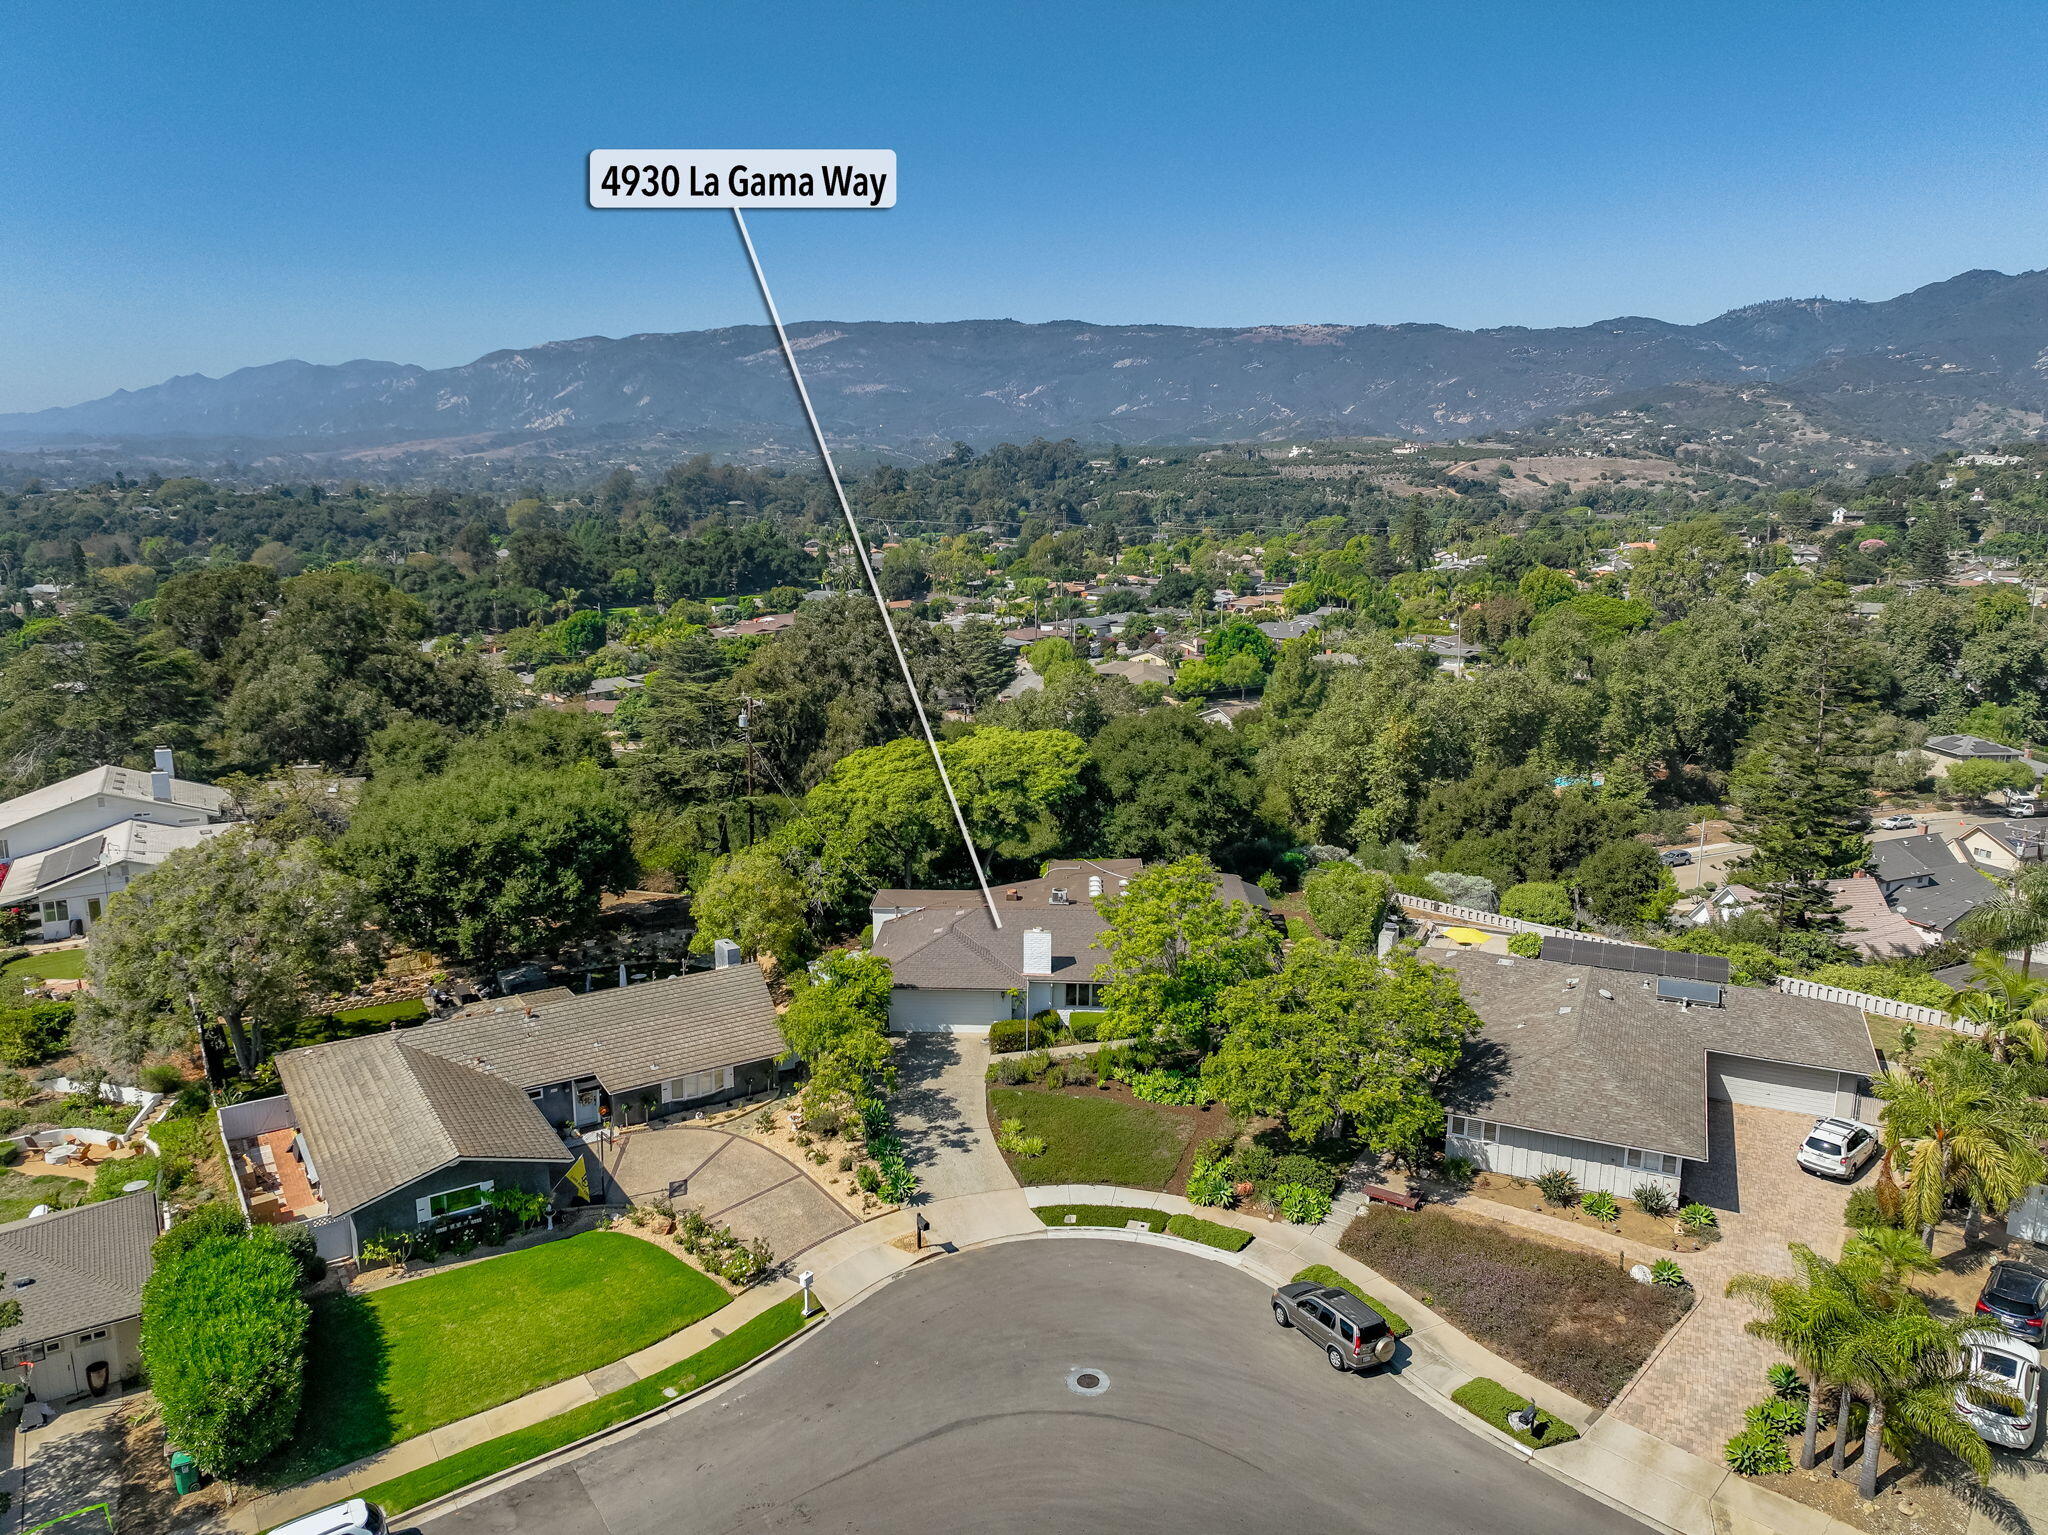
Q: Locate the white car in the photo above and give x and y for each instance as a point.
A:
(1838, 1148)
(1897, 823)
(354, 1517)
(2002, 1398)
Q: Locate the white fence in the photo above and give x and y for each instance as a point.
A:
(1884, 1007)
(1472, 916)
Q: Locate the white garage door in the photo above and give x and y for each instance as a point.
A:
(1769, 1085)
(914, 1010)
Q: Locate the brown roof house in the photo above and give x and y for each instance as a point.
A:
(413, 1127)
(956, 972)
(78, 1274)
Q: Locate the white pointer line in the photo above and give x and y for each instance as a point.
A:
(860, 549)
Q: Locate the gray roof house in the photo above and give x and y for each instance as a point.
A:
(411, 1127)
(78, 1274)
(1926, 883)
(1609, 1074)
(1944, 752)
(954, 970)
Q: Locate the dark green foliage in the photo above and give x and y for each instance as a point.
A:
(1491, 1401)
(1177, 785)
(224, 1339)
(1209, 1233)
(1617, 881)
(1347, 902)
(217, 1219)
(1117, 1216)
(34, 1032)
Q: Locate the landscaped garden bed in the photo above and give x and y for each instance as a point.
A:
(1192, 1228)
(1117, 1216)
(1659, 1229)
(385, 1366)
(1103, 1135)
(1491, 1402)
(1569, 1317)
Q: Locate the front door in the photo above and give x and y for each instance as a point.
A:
(589, 1103)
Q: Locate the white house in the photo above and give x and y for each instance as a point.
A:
(956, 972)
(1608, 1074)
(67, 846)
(78, 1275)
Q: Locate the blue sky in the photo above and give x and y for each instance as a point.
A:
(199, 187)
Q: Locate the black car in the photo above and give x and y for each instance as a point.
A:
(1353, 1335)
(2016, 1297)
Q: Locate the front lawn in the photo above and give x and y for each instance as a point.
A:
(1118, 1216)
(1566, 1316)
(1091, 1137)
(386, 1366)
(21, 1193)
(34, 969)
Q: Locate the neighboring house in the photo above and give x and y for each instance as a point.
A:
(1944, 752)
(1026, 681)
(78, 1274)
(1718, 906)
(956, 972)
(1281, 630)
(1589, 1070)
(67, 887)
(413, 1127)
(1225, 711)
(1142, 667)
(102, 797)
(2005, 845)
(1869, 923)
(1927, 884)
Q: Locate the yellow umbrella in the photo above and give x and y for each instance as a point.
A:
(1466, 935)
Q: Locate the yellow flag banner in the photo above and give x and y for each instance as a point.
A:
(579, 1177)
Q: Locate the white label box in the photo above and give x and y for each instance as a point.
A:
(743, 178)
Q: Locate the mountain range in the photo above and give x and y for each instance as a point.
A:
(1963, 362)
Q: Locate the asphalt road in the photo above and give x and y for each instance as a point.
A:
(942, 1404)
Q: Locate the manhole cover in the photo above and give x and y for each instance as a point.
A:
(1087, 1382)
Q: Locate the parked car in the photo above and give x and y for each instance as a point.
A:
(2022, 806)
(1897, 823)
(2002, 1398)
(1838, 1148)
(1674, 858)
(354, 1517)
(1353, 1336)
(2015, 1296)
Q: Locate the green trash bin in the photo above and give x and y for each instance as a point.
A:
(184, 1473)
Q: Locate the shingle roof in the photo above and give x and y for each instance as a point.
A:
(626, 1037)
(377, 1113)
(143, 842)
(129, 783)
(88, 1265)
(1968, 746)
(1912, 857)
(1626, 1070)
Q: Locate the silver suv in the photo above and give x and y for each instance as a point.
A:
(1353, 1335)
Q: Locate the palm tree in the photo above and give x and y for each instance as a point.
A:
(1907, 1364)
(2003, 1005)
(1960, 1125)
(2015, 918)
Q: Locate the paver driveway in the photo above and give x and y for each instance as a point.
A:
(733, 1180)
(1695, 1390)
(942, 1115)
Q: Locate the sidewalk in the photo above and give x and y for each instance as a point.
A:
(344, 1482)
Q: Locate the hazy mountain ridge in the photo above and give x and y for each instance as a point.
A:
(1960, 361)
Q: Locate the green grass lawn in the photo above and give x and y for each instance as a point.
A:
(20, 1193)
(1118, 1216)
(1092, 1139)
(399, 1361)
(1490, 1400)
(746, 1342)
(34, 969)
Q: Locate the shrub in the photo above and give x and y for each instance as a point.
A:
(1666, 1272)
(1170, 1087)
(1193, 1228)
(1348, 902)
(869, 1178)
(14, 1086)
(1471, 890)
(1209, 1184)
(1115, 1216)
(218, 1219)
(1866, 1210)
(1653, 1199)
(1537, 902)
(162, 1077)
(1527, 945)
(1007, 1034)
(1491, 1402)
(1558, 1187)
(1009, 1071)
(1293, 1167)
(34, 1032)
(1013, 1140)
(1460, 1171)
(1787, 1384)
(1085, 1027)
(1078, 1073)
(1567, 1316)
(1323, 1274)
(1757, 1452)
(224, 1341)
(1301, 1204)
(1601, 1206)
(1699, 1218)
(1777, 1415)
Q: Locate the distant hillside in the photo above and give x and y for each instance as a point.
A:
(1959, 362)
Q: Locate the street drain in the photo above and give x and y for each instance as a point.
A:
(1086, 1382)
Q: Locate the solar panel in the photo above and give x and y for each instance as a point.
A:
(72, 860)
(1671, 988)
(1638, 959)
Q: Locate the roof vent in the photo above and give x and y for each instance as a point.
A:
(1059, 898)
(1013, 894)
(1606, 993)
(23, 1281)
(1094, 886)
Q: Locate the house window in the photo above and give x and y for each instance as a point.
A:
(92, 908)
(1083, 993)
(698, 1084)
(92, 1337)
(1650, 1161)
(56, 911)
(1473, 1129)
(455, 1201)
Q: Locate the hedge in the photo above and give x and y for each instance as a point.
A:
(1118, 1216)
(1491, 1402)
(34, 1032)
(1323, 1274)
(1209, 1233)
(224, 1342)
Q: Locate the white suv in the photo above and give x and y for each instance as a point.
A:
(1838, 1148)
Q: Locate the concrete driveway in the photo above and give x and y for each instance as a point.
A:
(1695, 1389)
(942, 1114)
(1036, 1386)
(731, 1179)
